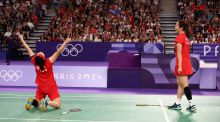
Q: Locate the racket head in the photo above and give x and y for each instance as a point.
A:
(71, 110)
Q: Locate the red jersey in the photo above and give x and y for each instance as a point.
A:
(45, 78)
(186, 63)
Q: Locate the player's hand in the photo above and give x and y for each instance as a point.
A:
(179, 70)
(19, 36)
(68, 40)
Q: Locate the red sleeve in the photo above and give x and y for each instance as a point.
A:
(179, 39)
(48, 60)
(33, 59)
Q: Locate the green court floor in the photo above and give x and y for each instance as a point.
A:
(109, 108)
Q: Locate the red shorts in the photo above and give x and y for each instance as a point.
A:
(51, 91)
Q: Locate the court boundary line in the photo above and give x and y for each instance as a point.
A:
(109, 97)
(139, 101)
(83, 96)
(78, 99)
(139, 95)
(62, 120)
(164, 112)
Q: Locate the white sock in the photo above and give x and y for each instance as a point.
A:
(178, 101)
(191, 102)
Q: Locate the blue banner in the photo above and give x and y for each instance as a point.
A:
(76, 51)
(207, 52)
(92, 51)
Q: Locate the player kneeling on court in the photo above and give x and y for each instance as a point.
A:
(46, 84)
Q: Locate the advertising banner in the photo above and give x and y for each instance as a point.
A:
(94, 51)
(65, 76)
(207, 52)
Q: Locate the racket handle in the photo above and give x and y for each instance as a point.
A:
(65, 112)
(142, 105)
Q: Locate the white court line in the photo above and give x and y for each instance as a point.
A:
(55, 120)
(81, 95)
(164, 112)
(140, 100)
(103, 98)
(110, 96)
(84, 96)
(61, 98)
(78, 99)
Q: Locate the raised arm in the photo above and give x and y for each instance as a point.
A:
(30, 52)
(54, 57)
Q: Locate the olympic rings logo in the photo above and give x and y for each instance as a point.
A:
(70, 49)
(11, 75)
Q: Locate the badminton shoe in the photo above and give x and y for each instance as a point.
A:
(175, 107)
(44, 105)
(28, 106)
(191, 108)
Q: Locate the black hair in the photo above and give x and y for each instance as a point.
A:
(40, 62)
(183, 25)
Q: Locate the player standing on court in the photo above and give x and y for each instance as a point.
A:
(183, 67)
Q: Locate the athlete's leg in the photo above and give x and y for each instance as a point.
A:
(56, 103)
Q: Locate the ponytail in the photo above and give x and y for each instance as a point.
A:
(40, 62)
(183, 25)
